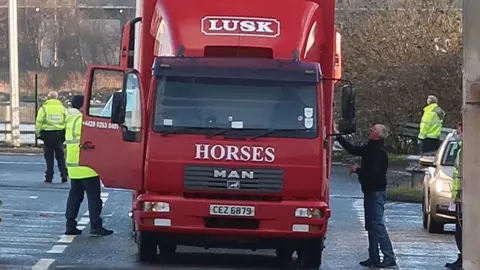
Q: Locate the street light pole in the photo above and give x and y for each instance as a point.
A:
(14, 70)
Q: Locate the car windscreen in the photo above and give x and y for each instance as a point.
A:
(241, 107)
(450, 154)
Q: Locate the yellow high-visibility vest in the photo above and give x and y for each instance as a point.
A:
(432, 122)
(51, 116)
(73, 132)
(456, 171)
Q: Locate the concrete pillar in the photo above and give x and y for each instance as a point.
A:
(471, 128)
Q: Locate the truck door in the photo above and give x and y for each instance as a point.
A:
(114, 151)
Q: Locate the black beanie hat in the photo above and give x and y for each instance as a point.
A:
(77, 101)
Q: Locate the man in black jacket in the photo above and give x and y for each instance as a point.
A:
(372, 175)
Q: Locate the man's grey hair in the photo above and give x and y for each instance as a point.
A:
(382, 130)
(52, 95)
(432, 99)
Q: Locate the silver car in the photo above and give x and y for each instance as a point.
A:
(437, 205)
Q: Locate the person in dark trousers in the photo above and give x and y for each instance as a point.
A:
(372, 175)
(456, 198)
(50, 128)
(83, 179)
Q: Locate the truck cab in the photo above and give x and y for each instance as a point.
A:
(228, 139)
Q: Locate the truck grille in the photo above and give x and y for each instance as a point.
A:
(238, 179)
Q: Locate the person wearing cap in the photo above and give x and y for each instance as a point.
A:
(431, 125)
(50, 128)
(83, 179)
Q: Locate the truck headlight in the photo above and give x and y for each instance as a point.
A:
(441, 186)
(161, 207)
(308, 213)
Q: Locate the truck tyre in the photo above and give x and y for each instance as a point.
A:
(167, 249)
(310, 255)
(147, 247)
(284, 254)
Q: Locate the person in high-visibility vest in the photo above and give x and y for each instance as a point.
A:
(50, 128)
(83, 179)
(431, 125)
(456, 198)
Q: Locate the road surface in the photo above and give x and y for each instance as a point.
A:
(33, 224)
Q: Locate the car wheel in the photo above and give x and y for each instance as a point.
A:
(432, 225)
(424, 214)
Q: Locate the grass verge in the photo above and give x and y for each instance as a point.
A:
(405, 194)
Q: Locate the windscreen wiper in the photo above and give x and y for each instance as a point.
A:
(173, 131)
(220, 132)
(271, 131)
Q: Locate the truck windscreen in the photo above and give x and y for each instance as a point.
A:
(236, 107)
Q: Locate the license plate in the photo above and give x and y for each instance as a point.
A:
(232, 210)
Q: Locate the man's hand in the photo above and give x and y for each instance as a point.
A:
(335, 128)
(354, 169)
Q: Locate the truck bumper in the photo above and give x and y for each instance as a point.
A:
(190, 220)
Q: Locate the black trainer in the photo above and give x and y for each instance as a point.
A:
(100, 232)
(64, 180)
(73, 231)
(456, 265)
(387, 264)
(369, 262)
(48, 181)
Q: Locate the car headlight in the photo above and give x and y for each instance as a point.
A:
(442, 186)
(308, 213)
(161, 207)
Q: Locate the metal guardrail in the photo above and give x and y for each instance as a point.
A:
(412, 129)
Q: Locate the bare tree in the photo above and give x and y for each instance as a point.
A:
(396, 57)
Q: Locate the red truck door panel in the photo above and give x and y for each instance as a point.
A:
(114, 151)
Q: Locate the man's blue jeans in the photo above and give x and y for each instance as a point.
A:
(373, 203)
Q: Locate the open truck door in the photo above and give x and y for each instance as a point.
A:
(113, 145)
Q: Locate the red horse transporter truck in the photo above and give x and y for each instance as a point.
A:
(224, 136)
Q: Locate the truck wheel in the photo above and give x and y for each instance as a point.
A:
(134, 230)
(284, 254)
(310, 255)
(147, 247)
(167, 249)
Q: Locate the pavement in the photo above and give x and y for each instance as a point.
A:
(31, 233)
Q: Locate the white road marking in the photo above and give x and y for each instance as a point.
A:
(21, 163)
(57, 249)
(83, 221)
(33, 211)
(81, 228)
(33, 197)
(358, 206)
(43, 264)
(66, 239)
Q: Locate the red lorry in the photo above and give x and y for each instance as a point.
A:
(223, 131)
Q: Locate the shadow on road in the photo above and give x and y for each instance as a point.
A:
(224, 261)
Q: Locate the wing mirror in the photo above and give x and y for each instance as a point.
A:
(118, 108)
(427, 161)
(347, 125)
